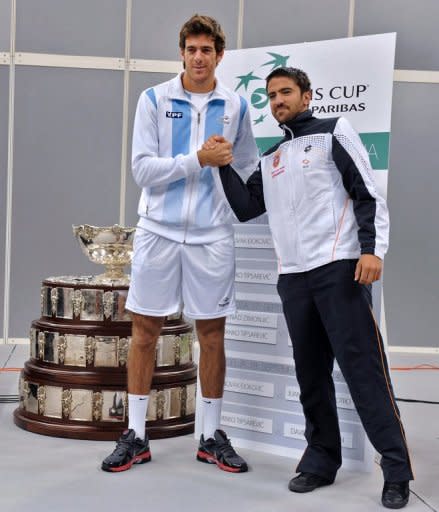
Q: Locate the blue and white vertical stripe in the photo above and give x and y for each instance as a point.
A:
(214, 125)
(181, 137)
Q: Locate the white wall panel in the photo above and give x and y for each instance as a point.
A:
(80, 27)
(4, 97)
(293, 21)
(156, 25)
(411, 278)
(416, 24)
(5, 21)
(68, 132)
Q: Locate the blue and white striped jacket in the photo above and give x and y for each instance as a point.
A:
(180, 200)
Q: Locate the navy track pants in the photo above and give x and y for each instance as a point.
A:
(329, 315)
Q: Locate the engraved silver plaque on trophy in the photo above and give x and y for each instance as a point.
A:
(186, 342)
(46, 305)
(33, 343)
(175, 403)
(113, 406)
(92, 305)
(165, 351)
(106, 351)
(75, 350)
(190, 398)
(50, 354)
(63, 305)
(119, 313)
(31, 397)
(53, 405)
(151, 413)
(82, 405)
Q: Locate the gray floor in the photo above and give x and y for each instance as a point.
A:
(46, 473)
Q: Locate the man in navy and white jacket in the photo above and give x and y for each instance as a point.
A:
(184, 249)
(330, 232)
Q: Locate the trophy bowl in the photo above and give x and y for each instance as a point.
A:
(111, 246)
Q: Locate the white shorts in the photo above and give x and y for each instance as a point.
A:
(168, 277)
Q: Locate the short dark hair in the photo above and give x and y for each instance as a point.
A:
(199, 24)
(297, 75)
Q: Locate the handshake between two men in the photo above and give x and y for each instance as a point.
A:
(215, 152)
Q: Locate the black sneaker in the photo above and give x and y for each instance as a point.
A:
(219, 451)
(307, 482)
(395, 494)
(129, 450)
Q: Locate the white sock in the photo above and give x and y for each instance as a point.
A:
(211, 410)
(137, 407)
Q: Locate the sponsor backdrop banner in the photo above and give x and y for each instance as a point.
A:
(350, 77)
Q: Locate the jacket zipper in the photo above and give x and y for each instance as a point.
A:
(191, 184)
(293, 208)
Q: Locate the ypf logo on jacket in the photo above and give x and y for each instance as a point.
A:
(174, 115)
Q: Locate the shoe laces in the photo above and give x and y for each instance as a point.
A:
(123, 445)
(225, 448)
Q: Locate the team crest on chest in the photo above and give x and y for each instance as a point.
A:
(224, 120)
(276, 159)
(276, 170)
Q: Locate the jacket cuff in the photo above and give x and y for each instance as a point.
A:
(376, 251)
(191, 163)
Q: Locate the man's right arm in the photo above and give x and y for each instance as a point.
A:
(149, 169)
(245, 199)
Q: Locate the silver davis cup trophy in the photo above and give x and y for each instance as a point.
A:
(111, 246)
(74, 384)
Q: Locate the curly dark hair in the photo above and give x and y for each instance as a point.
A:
(297, 75)
(199, 24)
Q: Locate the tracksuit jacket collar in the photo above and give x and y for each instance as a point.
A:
(294, 125)
(176, 90)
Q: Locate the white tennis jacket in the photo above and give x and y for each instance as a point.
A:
(180, 200)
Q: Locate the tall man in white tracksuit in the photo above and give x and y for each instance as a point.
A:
(184, 247)
(330, 232)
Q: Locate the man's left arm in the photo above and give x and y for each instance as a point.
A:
(370, 208)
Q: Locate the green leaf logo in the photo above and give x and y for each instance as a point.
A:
(246, 79)
(278, 60)
(258, 97)
(260, 119)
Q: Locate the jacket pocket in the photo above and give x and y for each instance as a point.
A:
(318, 230)
(318, 185)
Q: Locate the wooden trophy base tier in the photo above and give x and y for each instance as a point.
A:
(102, 432)
(111, 378)
(93, 405)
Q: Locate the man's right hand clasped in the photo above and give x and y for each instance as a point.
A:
(215, 152)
